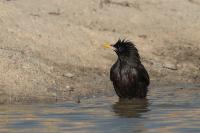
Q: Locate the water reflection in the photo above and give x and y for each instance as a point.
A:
(130, 108)
(167, 110)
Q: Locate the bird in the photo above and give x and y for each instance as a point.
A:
(129, 76)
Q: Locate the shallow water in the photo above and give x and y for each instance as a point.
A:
(166, 109)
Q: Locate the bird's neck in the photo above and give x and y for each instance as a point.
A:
(132, 59)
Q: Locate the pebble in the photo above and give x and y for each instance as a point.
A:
(170, 66)
(69, 75)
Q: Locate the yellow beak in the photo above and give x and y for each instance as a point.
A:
(107, 45)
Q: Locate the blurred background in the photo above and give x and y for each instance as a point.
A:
(52, 49)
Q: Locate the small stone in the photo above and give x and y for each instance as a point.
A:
(142, 36)
(170, 66)
(54, 94)
(68, 75)
(67, 87)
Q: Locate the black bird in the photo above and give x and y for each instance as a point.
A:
(130, 78)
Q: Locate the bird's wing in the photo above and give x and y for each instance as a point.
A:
(143, 75)
(114, 73)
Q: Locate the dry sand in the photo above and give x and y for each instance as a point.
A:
(51, 50)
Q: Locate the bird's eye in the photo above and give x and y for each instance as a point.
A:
(121, 49)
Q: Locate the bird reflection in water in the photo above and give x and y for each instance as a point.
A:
(130, 108)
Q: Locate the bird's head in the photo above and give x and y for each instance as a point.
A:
(123, 48)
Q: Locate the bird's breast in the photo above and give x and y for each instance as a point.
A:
(123, 76)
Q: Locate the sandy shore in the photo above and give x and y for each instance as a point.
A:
(52, 50)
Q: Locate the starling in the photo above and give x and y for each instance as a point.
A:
(129, 77)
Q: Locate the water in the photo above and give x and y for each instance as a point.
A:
(167, 110)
